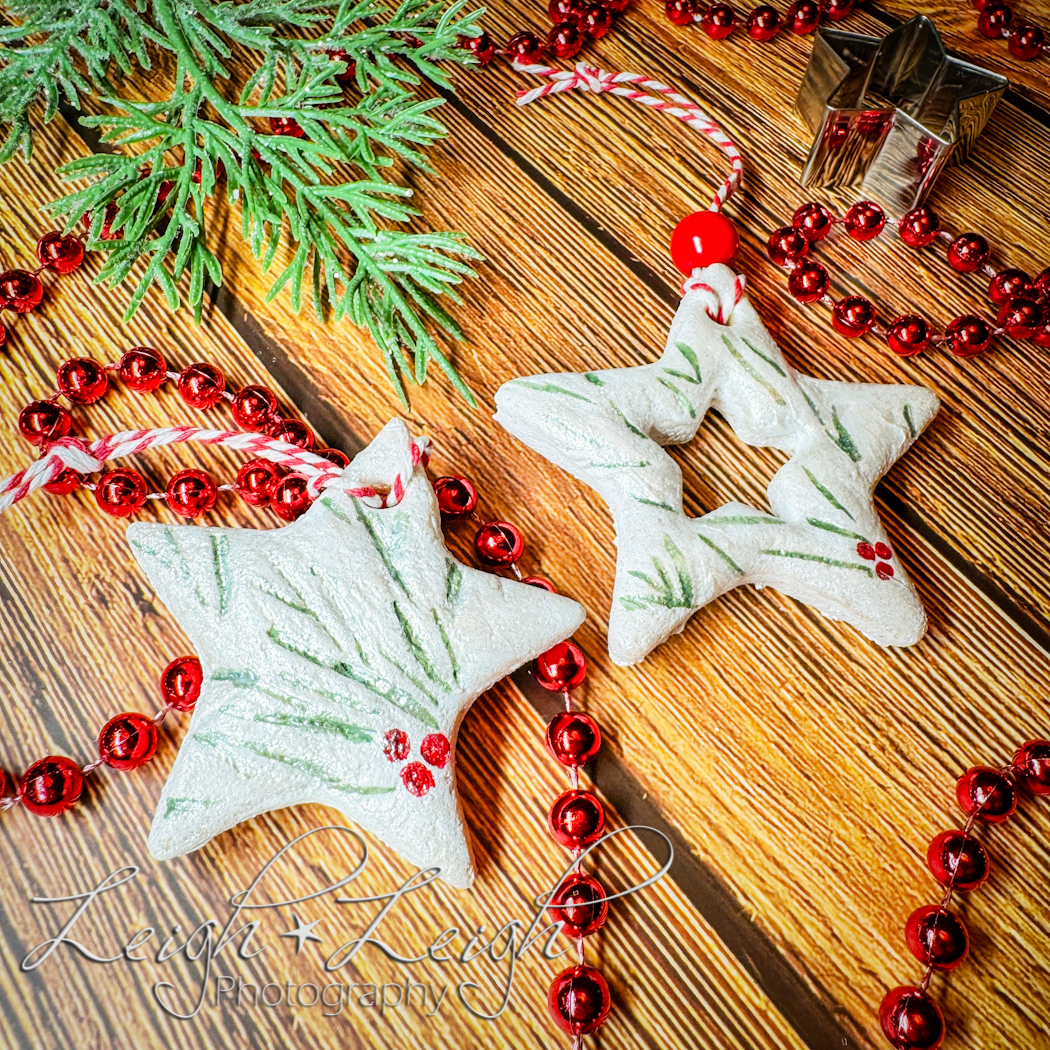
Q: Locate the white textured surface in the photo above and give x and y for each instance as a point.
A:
(606, 429)
(315, 640)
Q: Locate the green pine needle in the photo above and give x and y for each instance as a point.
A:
(145, 202)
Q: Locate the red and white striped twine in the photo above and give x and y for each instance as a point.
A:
(646, 92)
(73, 453)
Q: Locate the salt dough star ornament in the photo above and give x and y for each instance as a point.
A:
(823, 543)
(340, 654)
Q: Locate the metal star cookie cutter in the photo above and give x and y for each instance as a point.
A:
(891, 112)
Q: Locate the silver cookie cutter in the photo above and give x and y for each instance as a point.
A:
(890, 112)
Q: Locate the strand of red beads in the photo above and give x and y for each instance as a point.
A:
(576, 23)
(578, 998)
(53, 784)
(190, 493)
(937, 937)
(1023, 303)
(21, 291)
(996, 21)
(719, 21)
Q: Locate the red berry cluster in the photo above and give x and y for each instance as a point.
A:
(435, 750)
(576, 23)
(1023, 303)
(720, 20)
(936, 936)
(996, 20)
(54, 784)
(579, 996)
(21, 291)
(190, 493)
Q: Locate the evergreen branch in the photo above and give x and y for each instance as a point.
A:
(145, 204)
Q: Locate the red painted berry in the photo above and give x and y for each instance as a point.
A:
(882, 550)
(866, 551)
(417, 778)
(884, 570)
(396, 745)
(436, 750)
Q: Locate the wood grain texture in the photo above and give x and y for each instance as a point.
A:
(806, 767)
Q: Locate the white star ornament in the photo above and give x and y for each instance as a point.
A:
(340, 654)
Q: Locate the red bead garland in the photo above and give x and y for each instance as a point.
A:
(995, 21)
(1023, 304)
(936, 936)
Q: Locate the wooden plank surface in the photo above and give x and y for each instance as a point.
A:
(804, 767)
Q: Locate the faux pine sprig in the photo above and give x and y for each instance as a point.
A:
(146, 199)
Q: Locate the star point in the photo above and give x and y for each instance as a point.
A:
(302, 933)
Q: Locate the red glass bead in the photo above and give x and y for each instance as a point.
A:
(1042, 337)
(576, 819)
(837, 10)
(1010, 284)
(907, 335)
(254, 407)
(853, 316)
(291, 497)
(107, 233)
(595, 21)
(968, 336)
(1042, 284)
(525, 48)
(482, 47)
(814, 220)
(911, 1020)
(579, 1000)
(564, 11)
(1032, 763)
(718, 21)
(64, 484)
(980, 5)
(286, 126)
(803, 16)
(703, 239)
(993, 20)
(680, 12)
(43, 421)
(937, 937)
(565, 39)
(396, 745)
(20, 291)
(51, 785)
(348, 74)
(919, 227)
(1021, 318)
(573, 738)
(121, 492)
(436, 750)
(256, 481)
(201, 385)
(127, 741)
(968, 252)
(191, 493)
(561, 667)
(986, 792)
(763, 23)
(499, 543)
(957, 859)
(809, 281)
(541, 582)
(294, 431)
(579, 905)
(787, 244)
(180, 682)
(334, 455)
(60, 254)
(884, 570)
(142, 369)
(3, 335)
(82, 380)
(417, 778)
(864, 221)
(456, 497)
(616, 6)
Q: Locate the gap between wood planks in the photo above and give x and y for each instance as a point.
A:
(804, 1006)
